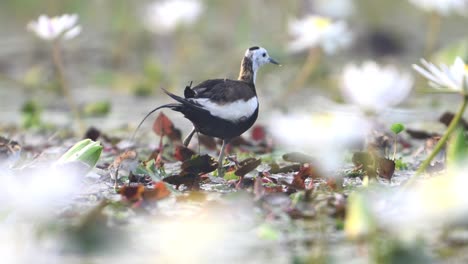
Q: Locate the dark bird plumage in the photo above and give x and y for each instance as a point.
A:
(222, 108)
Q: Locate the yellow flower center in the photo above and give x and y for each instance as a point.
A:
(324, 121)
(321, 22)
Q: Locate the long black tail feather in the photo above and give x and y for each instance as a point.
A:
(171, 106)
(184, 101)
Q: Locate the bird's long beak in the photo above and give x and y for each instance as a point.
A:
(273, 61)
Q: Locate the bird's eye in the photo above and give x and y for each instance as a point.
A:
(264, 54)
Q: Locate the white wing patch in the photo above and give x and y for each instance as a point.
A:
(231, 111)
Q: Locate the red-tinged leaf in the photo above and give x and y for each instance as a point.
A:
(163, 126)
(298, 182)
(158, 192)
(183, 153)
(305, 172)
(132, 192)
(386, 168)
(258, 133)
(247, 166)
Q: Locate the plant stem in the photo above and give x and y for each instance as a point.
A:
(57, 58)
(309, 66)
(395, 146)
(452, 126)
(432, 33)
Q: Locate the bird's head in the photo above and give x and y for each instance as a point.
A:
(259, 57)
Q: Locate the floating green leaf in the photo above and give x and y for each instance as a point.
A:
(397, 128)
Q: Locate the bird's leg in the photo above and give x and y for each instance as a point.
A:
(220, 159)
(189, 137)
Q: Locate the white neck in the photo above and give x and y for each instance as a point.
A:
(255, 67)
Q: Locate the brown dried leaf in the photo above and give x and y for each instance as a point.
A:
(305, 171)
(419, 134)
(199, 165)
(247, 166)
(447, 117)
(386, 168)
(191, 180)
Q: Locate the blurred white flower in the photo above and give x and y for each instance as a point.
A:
(326, 135)
(313, 31)
(373, 87)
(453, 77)
(165, 16)
(37, 191)
(443, 7)
(435, 202)
(334, 8)
(50, 28)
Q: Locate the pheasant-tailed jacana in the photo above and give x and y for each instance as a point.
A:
(222, 108)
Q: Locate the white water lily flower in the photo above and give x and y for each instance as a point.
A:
(443, 7)
(50, 28)
(374, 87)
(318, 31)
(325, 135)
(164, 17)
(437, 202)
(453, 77)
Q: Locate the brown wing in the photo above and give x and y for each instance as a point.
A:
(224, 90)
